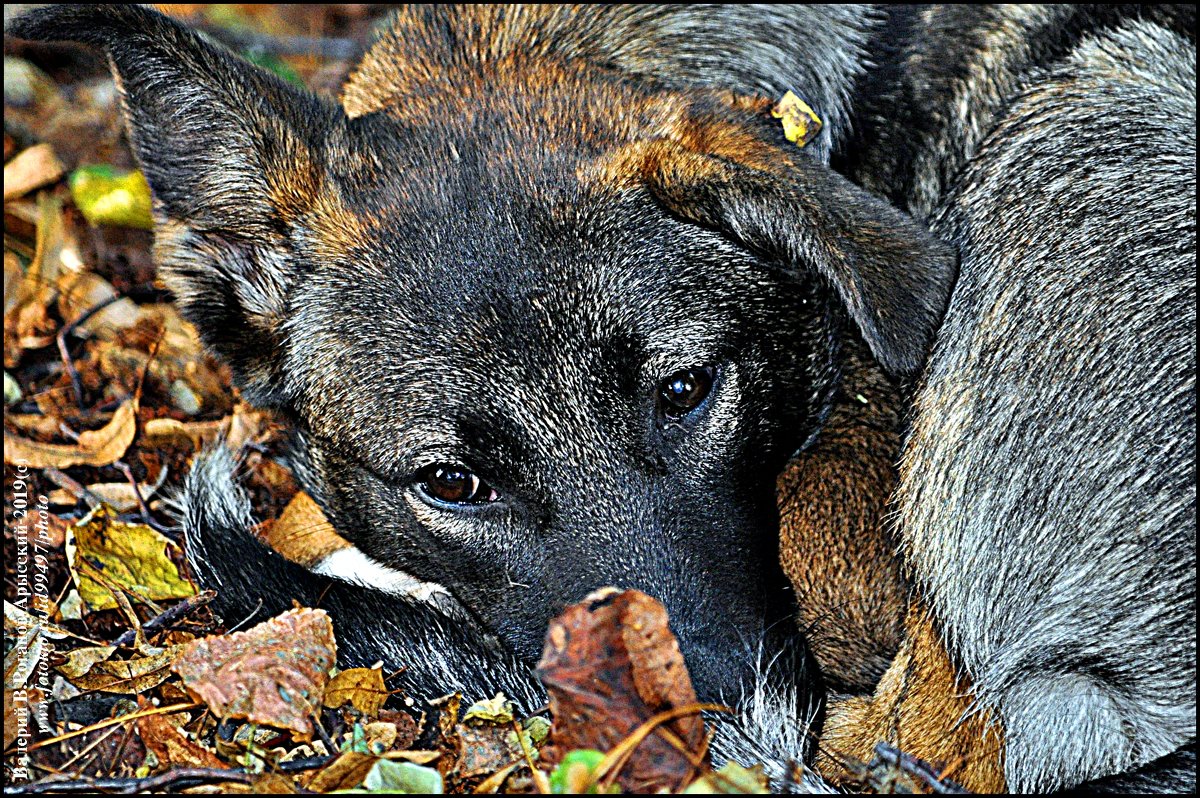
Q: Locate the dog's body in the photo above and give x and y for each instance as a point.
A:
(560, 211)
(1047, 494)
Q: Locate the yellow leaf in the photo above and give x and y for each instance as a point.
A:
(800, 122)
(362, 688)
(498, 710)
(133, 556)
(106, 196)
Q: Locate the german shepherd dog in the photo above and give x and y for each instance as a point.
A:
(550, 300)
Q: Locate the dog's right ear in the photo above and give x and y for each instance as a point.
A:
(235, 161)
(722, 163)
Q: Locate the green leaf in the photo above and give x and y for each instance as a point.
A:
(576, 773)
(12, 390)
(108, 197)
(272, 64)
(538, 729)
(403, 778)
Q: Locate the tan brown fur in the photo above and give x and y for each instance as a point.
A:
(924, 708)
(865, 632)
(834, 543)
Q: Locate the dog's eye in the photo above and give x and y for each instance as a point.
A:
(683, 391)
(454, 485)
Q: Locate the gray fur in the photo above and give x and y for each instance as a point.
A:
(1048, 488)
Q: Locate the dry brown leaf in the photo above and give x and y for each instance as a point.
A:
(345, 773)
(248, 425)
(162, 735)
(80, 660)
(274, 784)
(31, 168)
(94, 448)
(362, 688)
(128, 676)
(160, 432)
(302, 534)
(494, 782)
(407, 729)
(27, 324)
(610, 664)
(274, 674)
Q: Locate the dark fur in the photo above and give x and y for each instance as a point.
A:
(1047, 494)
(517, 224)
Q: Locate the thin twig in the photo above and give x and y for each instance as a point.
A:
(104, 724)
(75, 488)
(143, 508)
(919, 768)
(167, 616)
(130, 786)
(61, 339)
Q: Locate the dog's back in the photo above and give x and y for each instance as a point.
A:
(1047, 497)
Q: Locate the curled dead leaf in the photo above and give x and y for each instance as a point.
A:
(135, 675)
(94, 448)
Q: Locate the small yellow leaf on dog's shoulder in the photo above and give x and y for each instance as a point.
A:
(800, 122)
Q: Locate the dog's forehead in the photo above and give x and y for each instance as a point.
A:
(513, 270)
(513, 305)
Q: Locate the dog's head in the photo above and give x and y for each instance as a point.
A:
(541, 328)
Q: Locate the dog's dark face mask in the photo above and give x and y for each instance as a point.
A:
(540, 331)
(548, 400)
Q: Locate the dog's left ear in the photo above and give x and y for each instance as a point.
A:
(236, 159)
(892, 275)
